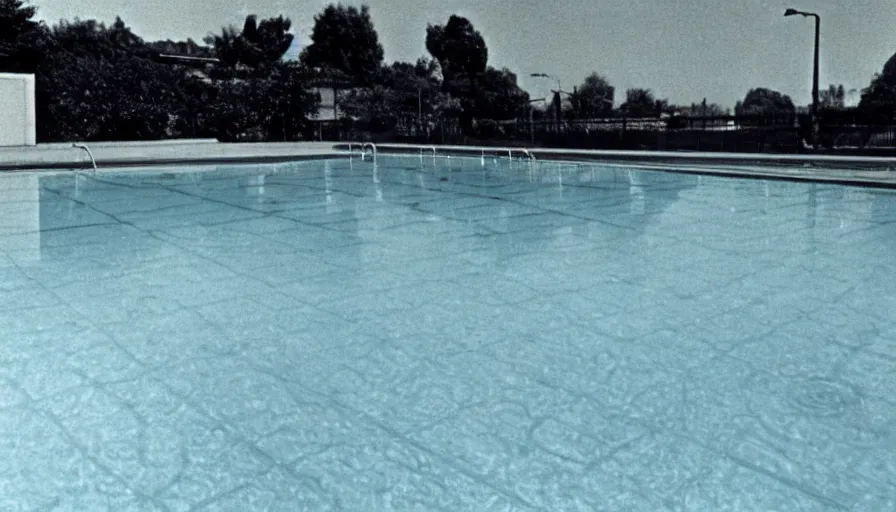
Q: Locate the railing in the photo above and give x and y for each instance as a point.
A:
(447, 152)
(85, 148)
(840, 132)
(362, 146)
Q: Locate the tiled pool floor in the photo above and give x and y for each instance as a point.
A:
(444, 336)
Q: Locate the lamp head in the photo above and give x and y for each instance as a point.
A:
(791, 12)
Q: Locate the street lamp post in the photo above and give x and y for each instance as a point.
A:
(557, 97)
(815, 124)
(532, 118)
(545, 75)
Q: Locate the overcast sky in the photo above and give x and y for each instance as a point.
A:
(683, 50)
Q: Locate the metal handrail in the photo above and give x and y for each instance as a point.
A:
(432, 148)
(372, 145)
(85, 148)
(421, 148)
(520, 150)
(527, 153)
(362, 145)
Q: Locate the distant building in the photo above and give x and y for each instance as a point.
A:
(326, 83)
(186, 60)
(327, 110)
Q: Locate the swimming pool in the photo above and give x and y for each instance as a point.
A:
(444, 334)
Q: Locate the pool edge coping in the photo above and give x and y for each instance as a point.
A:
(876, 172)
(881, 174)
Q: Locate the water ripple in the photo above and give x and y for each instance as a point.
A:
(823, 397)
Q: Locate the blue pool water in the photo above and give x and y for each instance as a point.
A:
(444, 335)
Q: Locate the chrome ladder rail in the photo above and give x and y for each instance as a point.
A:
(431, 148)
(361, 146)
(528, 153)
(372, 146)
(524, 151)
(421, 148)
(89, 153)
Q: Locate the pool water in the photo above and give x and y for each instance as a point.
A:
(445, 334)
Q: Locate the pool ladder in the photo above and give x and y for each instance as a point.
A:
(510, 151)
(89, 153)
(363, 145)
(431, 148)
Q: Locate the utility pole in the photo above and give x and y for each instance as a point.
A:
(704, 114)
(532, 124)
(532, 119)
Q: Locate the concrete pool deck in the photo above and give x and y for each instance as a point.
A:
(123, 154)
(846, 170)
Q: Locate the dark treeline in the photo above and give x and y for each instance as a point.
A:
(99, 82)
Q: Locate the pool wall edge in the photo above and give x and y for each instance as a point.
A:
(843, 170)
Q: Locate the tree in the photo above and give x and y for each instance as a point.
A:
(402, 91)
(429, 68)
(458, 46)
(594, 98)
(22, 41)
(97, 83)
(258, 45)
(641, 103)
(227, 46)
(498, 96)
(100, 83)
(435, 72)
(707, 110)
(121, 35)
(879, 98)
(273, 106)
(412, 85)
(15, 20)
(834, 97)
(272, 38)
(378, 107)
(762, 101)
(345, 40)
(188, 48)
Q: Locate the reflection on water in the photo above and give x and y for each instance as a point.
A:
(255, 185)
(636, 193)
(20, 218)
(328, 180)
(649, 203)
(377, 184)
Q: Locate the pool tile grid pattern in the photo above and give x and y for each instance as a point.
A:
(444, 335)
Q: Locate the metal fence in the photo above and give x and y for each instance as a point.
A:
(763, 134)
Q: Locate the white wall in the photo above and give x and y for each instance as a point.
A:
(17, 126)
